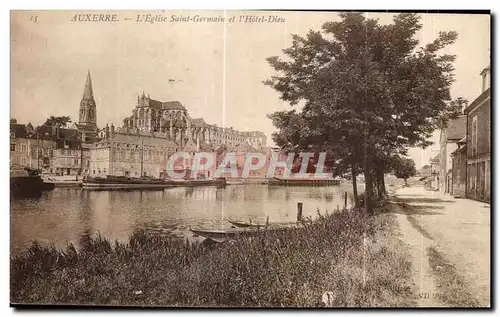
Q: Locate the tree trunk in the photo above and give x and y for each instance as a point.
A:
(381, 184)
(368, 189)
(406, 183)
(354, 184)
(376, 194)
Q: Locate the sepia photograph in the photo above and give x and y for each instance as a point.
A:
(250, 159)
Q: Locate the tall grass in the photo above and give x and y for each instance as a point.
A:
(345, 253)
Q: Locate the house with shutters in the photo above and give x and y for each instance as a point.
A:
(478, 143)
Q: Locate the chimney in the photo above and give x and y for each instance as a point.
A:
(485, 74)
(112, 131)
(106, 134)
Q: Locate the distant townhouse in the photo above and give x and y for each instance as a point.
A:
(453, 132)
(459, 168)
(435, 170)
(479, 143)
(19, 145)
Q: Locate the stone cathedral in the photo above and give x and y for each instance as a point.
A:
(172, 118)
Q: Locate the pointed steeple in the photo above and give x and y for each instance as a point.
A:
(87, 90)
(88, 113)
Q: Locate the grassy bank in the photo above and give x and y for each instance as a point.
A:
(453, 288)
(354, 257)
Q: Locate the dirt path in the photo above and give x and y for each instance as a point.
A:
(450, 243)
(418, 243)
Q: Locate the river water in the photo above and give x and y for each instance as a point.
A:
(67, 215)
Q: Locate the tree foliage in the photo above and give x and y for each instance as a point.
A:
(404, 168)
(62, 121)
(364, 92)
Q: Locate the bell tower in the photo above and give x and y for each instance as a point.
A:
(88, 115)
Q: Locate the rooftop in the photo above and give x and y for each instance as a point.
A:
(456, 128)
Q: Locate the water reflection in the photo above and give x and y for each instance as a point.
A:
(67, 216)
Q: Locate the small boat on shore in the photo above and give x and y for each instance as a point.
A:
(250, 224)
(232, 234)
(243, 229)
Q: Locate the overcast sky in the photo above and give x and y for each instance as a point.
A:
(217, 70)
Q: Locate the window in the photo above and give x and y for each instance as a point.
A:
(474, 136)
(76, 161)
(12, 146)
(23, 161)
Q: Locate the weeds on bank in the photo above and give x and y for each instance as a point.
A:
(345, 253)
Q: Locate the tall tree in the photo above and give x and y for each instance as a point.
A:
(367, 90)
(404, 168)
(62, 121)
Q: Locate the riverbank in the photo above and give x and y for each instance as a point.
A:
(356, 258)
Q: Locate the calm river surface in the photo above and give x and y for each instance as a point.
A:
(65, 215)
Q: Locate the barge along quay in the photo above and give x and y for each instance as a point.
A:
(120, 182)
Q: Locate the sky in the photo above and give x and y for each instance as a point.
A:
(215, 69)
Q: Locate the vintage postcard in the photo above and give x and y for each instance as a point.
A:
(250, 159)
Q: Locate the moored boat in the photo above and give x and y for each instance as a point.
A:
(250, 224)
(235, 233)
(228, 234)
(124, 183)
(26, 182)
(311, 180)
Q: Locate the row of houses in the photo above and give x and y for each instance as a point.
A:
(49, 148)
(463, 166)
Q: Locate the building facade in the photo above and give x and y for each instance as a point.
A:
(131, 153)
(435, 172)
(479, 143)
(453, 132)
(459, 166)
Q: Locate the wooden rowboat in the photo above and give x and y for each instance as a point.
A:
(224, 235)
(250, 224)
(245, 231)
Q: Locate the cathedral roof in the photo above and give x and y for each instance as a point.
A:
(166, 105)
(199, 123)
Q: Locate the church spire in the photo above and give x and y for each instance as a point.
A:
(87, 90)
(88, 115)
